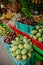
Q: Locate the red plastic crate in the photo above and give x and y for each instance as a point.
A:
(38, 44)
(35, 42)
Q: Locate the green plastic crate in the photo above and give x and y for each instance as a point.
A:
(39, 56)
(38, 50)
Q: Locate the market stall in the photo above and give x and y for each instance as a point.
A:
(21, 31)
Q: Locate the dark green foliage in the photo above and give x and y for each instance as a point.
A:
(26, 7)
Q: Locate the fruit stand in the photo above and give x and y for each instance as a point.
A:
(21, 31)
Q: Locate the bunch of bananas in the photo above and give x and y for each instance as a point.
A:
(37, 1)
(9, 15)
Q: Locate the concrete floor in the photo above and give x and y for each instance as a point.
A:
(4, 59)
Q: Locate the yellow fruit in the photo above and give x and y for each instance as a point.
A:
(0, 27)
(32, 1)
(21, 46)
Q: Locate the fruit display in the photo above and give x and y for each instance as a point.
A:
(21, 30)
(8, 15)
(3, 30)
(31, 23)
(21, 48)
(28, 21)
(37, 33)
(38, 18)
(9, 37)
(2, 18)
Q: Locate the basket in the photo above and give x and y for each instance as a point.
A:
(17, 62)
(38, 44)
(25, 62)
(24, 28)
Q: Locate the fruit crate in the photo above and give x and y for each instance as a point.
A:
(35, 42)
(7, 46)
(38, 44)
(38, 56)
(38, 50)
(24, 27)
(6, 27)
(17, 62)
